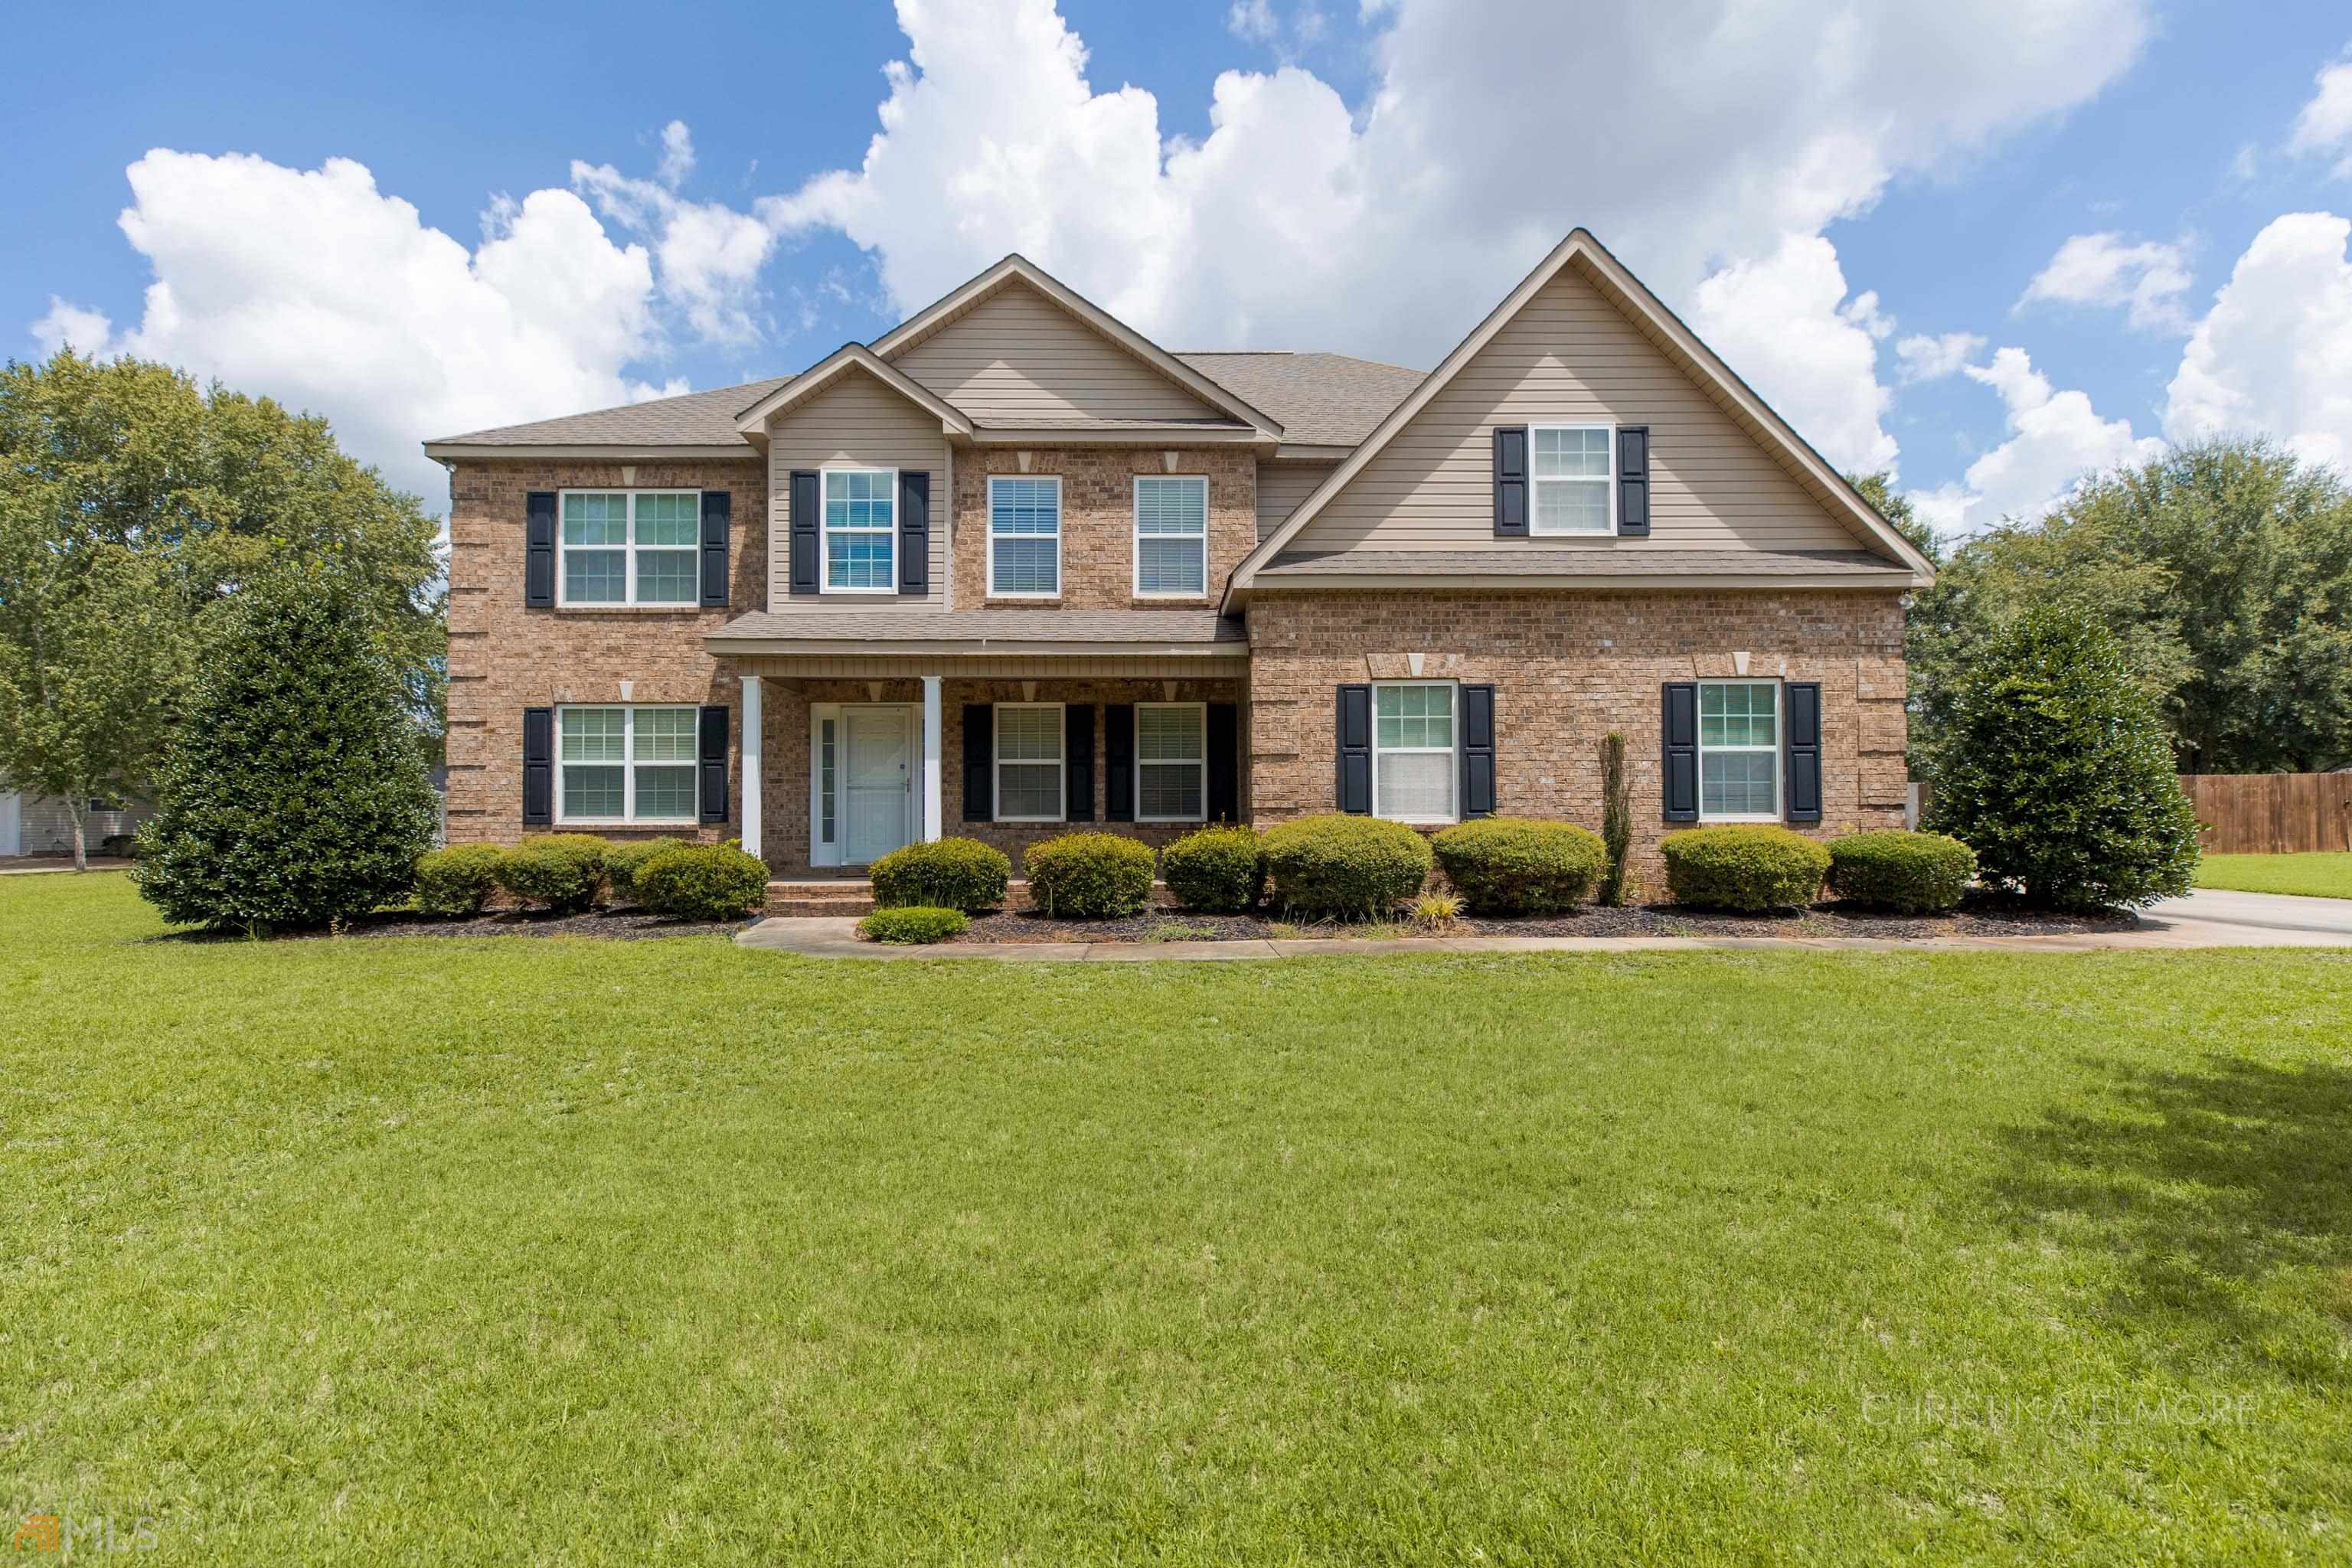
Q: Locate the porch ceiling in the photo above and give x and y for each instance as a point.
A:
(982, 635)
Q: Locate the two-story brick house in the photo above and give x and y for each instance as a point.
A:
(1012, 567)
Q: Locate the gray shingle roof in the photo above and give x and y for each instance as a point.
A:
(1319, 399)
(1589, 560)
(697, 419)
(883, 627)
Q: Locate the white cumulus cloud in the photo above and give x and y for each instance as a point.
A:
(2150, 277)
(1785, 323)
(2325, 126)
(2274, 353)
(2056, 440)
(1931, 356)
(710, 256)
(677, 153)
(65, 325)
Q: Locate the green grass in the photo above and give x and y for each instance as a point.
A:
(2323, 876)
(556, 1250)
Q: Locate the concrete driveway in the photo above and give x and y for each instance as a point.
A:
(2209, 918)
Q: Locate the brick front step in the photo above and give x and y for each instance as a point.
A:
(842, 896)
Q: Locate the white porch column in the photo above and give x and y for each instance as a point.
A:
(931, 814)
(753, 732)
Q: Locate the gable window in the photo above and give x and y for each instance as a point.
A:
(1413, 765)
(861, 531)
(1738, 751)
(1172, 537)
(1171, 762)
(625, 765)
(1571, 472)
(1029, 762)
(631, 547)
(1024, 538)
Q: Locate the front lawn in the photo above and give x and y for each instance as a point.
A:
(2323, 876)
(564, 1250)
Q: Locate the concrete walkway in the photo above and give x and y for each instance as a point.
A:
(35, 865)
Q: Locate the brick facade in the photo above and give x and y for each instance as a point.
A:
(1098, 521)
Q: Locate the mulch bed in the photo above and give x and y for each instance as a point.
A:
(618, 924)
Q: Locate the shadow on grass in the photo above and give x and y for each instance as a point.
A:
(623, 923)
(2225, 1194)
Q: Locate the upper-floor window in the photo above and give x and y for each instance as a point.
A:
(1413, 767)
(1739, 751)
(861, 531)
(631, 547)
(1172, 537)
(1572, 475)
(625, 765)
(1025, 537)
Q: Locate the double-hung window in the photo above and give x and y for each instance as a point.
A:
(1573, 478)
(1029, 762)
(625, 765)
(861, 531)
(1739, 751)
(1171, 762)
(1025, 537)
(1172, 537)
(1415, 772)
(631, 547)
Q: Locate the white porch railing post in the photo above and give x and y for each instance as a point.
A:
(931, 814)
(753, 731)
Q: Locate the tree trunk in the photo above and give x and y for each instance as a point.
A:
(78, 808)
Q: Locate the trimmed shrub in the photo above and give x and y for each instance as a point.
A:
(1089, 876)
(702, 881)
(562, 872)
(1217, 870)
(459, 880)
(624, 861)
(913, 924)
(1910, 873)
(946, 873)
(1344, 865)
(1513, 866)
(122, 846)
(1752, 867)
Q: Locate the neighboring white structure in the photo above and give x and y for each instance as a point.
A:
(39, 824)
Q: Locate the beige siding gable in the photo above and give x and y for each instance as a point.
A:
(1282, 486)
(1015, 356)
(856, 422)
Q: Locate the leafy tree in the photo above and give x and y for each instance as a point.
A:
(1878, 489)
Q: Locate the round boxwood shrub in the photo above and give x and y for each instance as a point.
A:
(1217, 870)
(946, 873)
(702, 882)
(1088, 876)
(562, 872)
(457, 880)
(1344, 865)
(1910, 873)
(1753, 866)
(1513, 866)
(624, 861)
(912, 923)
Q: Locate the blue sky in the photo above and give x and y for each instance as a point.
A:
(1990, 243)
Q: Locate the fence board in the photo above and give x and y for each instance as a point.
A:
(2271, 814)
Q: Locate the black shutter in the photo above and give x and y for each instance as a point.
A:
(979, 763)
(1511, 482)
(1478, 751)
(1225, 737)
(1634, 481)
(1804, 732)
(1078, 763)
(1678, 732)
(914, 532)
(710, 757)
(1355, 737)
(806, 505)
(718, 508)
(538, 550)
(538, 767)
(1118, 762)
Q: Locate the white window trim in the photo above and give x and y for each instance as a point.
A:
(1453, 785)
(1608, 482)
(1135, 534)
(628, 765)
(1779, 749)
(628, 599)
(1060, 760)
(824, 529)
(1203, 708)
(988, 544)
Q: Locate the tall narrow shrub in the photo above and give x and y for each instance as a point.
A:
(1616, 820)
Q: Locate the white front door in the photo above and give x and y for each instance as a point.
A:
(878, 783)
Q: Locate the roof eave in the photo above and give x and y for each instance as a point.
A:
(723, 646)
(1892, 581)
(581, 451)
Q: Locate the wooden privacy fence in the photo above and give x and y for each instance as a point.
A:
(2250, 814)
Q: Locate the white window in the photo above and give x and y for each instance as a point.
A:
(1573, 476)
(1024, 538)
(861, 531)
(1171, 762)
(1738, 751)
(631, 547)
(1172, 537)
(1414, 764)
(625, 765)
(1029, 762)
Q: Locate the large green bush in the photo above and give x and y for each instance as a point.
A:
(702, 882)
(1217, 870)
(2055, 769)
(624, 861)
(1910, 873)
(1344, 865)
(1516, 865)
(1089, 876)
(562, 872)
(1751, 867)
(946, 873)
(913, 924)
(457, 880)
